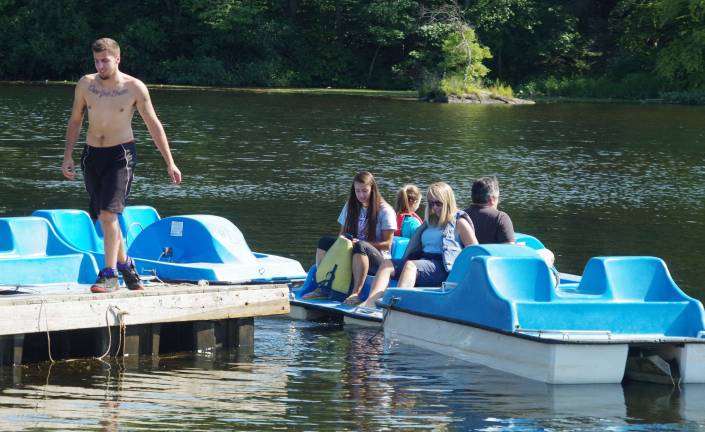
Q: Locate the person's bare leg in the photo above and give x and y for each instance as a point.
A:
(379, 283)
(112, 239)
(407, 278)
(360, 267)
(320, 253)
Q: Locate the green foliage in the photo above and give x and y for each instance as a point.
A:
(463, 55)
(532, 37)
(613, 48)
(633, 86)
(666, 37)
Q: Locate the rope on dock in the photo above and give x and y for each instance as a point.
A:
(123, 330)
(43, 306)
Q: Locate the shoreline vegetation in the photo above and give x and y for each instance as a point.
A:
(469, 51)
(681, 98)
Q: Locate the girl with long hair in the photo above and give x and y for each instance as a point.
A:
(369, 222)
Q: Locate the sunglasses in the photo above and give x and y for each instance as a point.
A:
(435, 204)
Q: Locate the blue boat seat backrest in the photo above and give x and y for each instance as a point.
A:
(462, 262)
(192, 239)
(528, 240)
(629, 279)
(31, 236)
(31, 252)
(521, 279)
(75, 227)
(135, 219)
(399, 245)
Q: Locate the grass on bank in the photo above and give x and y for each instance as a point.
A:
(634, 87)
(457, 86)
(396, 94)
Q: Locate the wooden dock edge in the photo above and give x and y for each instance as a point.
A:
(216, 316)
(156, 304)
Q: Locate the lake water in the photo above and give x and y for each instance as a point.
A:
(587, 179)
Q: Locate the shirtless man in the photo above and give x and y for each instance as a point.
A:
(108, 160)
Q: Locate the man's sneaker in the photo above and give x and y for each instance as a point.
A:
(129, 275)
(107, 281)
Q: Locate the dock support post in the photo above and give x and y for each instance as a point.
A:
(246, 333)
(236, 333)
(237, 336)
(142, 340)
(11, 348)
(204, 336)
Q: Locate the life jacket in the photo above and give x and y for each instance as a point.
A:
(334, 272)
(414, 221)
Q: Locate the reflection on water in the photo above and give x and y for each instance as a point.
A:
(586, 179)
(307, 377)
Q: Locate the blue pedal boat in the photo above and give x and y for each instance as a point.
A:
(321, 309)
(178, 248)
(35, 259)
(206, 247)
(501, 308)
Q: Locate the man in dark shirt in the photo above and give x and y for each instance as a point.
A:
(491, 225)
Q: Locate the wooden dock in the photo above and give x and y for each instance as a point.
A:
(162, 318)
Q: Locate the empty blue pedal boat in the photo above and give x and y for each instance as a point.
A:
(178, 248)
(206, 247)
(502, 308)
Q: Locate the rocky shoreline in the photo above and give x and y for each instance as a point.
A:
(481, 98)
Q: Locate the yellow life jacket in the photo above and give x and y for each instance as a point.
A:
(335, 269)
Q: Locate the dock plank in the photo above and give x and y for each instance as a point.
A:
(156, 304)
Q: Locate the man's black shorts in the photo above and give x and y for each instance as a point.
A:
(108, 173)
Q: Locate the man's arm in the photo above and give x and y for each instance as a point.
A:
(505, 229)
(467, 233)
(73, 130)
(146, 110)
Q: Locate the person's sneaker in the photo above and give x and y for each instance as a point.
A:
(130, 276)
(107, 281)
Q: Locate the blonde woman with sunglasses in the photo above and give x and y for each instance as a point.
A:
(433, 248)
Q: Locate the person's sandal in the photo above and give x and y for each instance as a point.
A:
(315, 294)
(353, 300)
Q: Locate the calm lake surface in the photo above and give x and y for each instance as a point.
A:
(586, 179)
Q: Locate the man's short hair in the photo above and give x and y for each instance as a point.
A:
(483, 189)
(106, 44)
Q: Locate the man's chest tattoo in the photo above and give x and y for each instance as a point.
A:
(106, 93)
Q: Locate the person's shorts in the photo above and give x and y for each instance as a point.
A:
(430, 270)
(374, 255)
(108, 174)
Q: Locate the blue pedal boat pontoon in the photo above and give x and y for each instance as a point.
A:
(501, 308)
(322, 309)
(33, 258)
